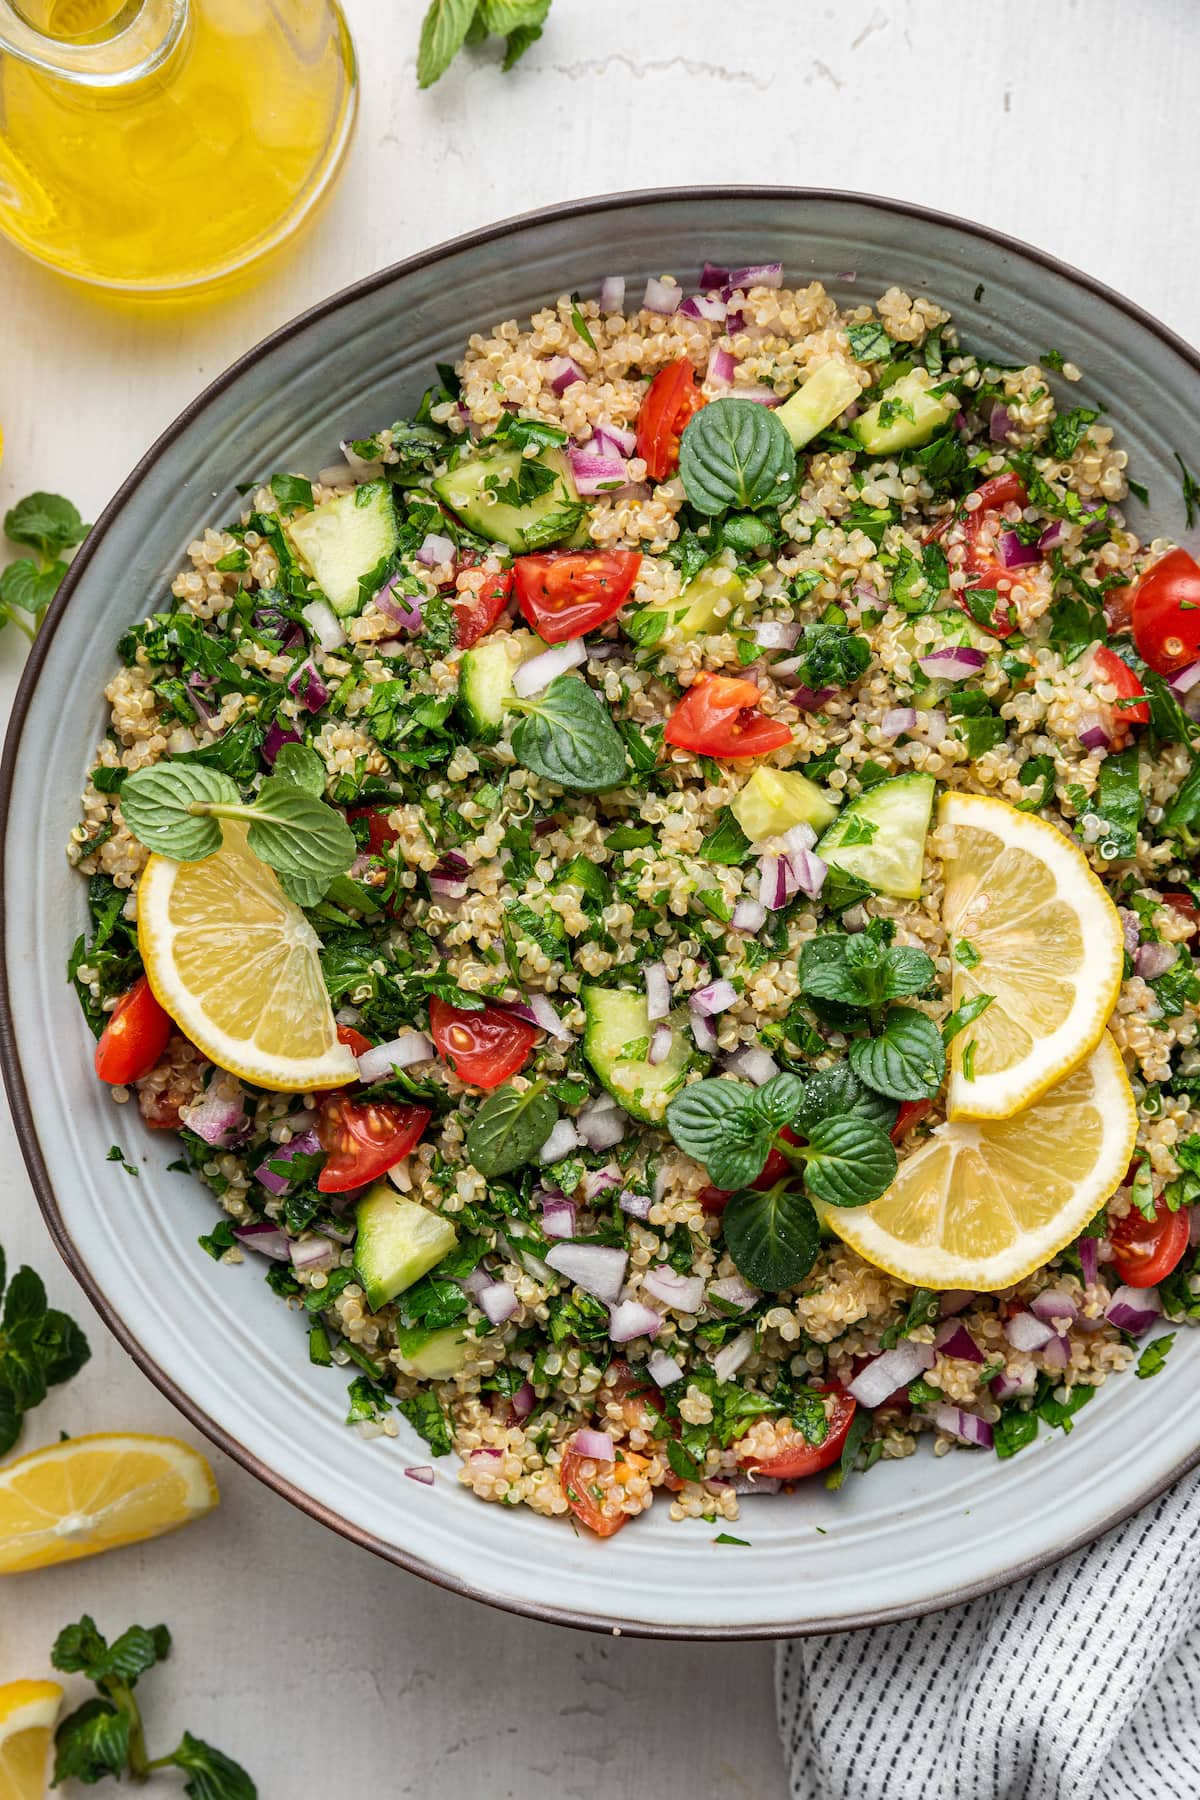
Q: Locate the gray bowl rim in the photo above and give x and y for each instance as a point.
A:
(10, 1065)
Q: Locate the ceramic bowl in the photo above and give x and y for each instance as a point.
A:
(913, 1535)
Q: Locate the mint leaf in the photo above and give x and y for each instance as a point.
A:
(214, 1776)
(156, 803)
(510, 1128)
(717, 1122)
(907, 1061)
(567, 735)
(773, 1237)
(735, 453)
(46, 523)
(443, 32)
(849, 1161)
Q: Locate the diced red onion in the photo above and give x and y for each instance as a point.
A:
(731, 1356)
(797, 838)
(274, 741)
(1186, 679)
(1134, 1309)
(447, 888)
(402, 609)
(999, 424)
(1053, 1306)
(377, 1063)
(854, 919)
(306, 686)
(704, 306)
(1007, 1387)
(776, 634)
(595, 473)
(956, 663)
(485, 1457)
(614, 440)
(1024, 1332)
(1092, 732)
(1131, 929)
(558, 1218)
(954, 1300)
(596, 1445)
(660, 1044)
(636, 1205)
(435, 549)
(268, 1240)
(965, 1425)
(475, 1282)
(896, 720)
(683, 1292)
(324, 624)
(746, 1484)
(660, 296)
(768, 275)
(1014, 554)
(630, 1319)
(734, 1291)
(338, 1234)
(953, 1339)
(748, 916)
(1089, 1260)
(712, 275)
(311, 1253)
(564, 372)
(752, 1062)
(305, 1143)
(716, 997)
(217, 1120)
(1052, 536)
(932, 726)
(658, 990)
(758, 393)
(808, 872)
(703, 1033)
(200, 697)
(524, 1400)
(662, 1369)
(498, 1302)
(601, 1181)
(546, 1017)
(884, 1374)
(421, 1472)
(598, 1269)
(1153, 960)
(721, 365)
(1057, 1353)
(612, 294)
(541, 670)
(562, 1140)
(601, 1125)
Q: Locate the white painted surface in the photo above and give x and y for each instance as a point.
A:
(1066, 125)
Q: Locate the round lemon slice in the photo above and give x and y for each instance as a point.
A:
(1030, 925)
(28, 1714)
(983, 1203)
(237, 966)
(95, 1493)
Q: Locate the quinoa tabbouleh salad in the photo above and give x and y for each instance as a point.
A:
(657, 894)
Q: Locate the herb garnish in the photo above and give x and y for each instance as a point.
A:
(48, 525)
(449, 24)
(567, 735)
(39, 1348)
(735, 453)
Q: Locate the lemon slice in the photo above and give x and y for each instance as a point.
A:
(95, 1493)
(236, 965)
(1031, 925)
(28, 1714)
(982, 1204)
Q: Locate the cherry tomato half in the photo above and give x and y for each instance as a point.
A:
(586, 1494)
(481, 596)
(1146, 1250)
(134, 1038)
(911, 1113)
(362, 1139)
(483, 1048)
(1166, 613)
(776, 1167)
(670, 401)
(380, 834)
(565, 593)
(1184, 905)
(354, 1041)
(1132, 707)
(796, 1457)
(718, 716)
(985, 571)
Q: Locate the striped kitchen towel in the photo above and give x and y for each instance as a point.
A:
(1082, 1683)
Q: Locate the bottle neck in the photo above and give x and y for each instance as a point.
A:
(138, 37)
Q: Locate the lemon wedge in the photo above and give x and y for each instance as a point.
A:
(237, 966)
(28, 1714)
(1030, 924)
(981, 1204)
(95, 1493)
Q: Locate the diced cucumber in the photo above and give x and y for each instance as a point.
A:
(551, 515)
(905, 417)
(704, 605)
(485, 680)
(824, 397)
(773, 800)
(616, 1026)
(344, 539)
(880, 837)
(441, 1355)
(398, 1242)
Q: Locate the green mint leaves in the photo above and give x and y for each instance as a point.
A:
(449, 24)
(772, 1237)
(39, 1348)
(863, 970)
(48, 525)
(175, 808)
(510, 1128)
(104, 1736)
(907, 1061)
(735, 453)
(567, 735)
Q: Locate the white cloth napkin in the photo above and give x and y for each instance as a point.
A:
(1082, 1683)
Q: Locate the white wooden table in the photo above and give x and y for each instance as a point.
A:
(1068, 124)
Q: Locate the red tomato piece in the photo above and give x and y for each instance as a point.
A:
(1118, 609)
(1166, 613)
(482, 595)
(776, 1167)
(362, 1139)
(1133, 707)
(134, 1038)
(911, 1113)
(586, 1494)
(1146, 1250)
(483, 1048)
(976, 530)
(796, 1457)
(353, 1040)
(1184, 905)
(566, 593)
(670, 401)
(380, 834)
(719, 716)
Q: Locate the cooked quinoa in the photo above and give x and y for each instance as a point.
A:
(478, 878)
